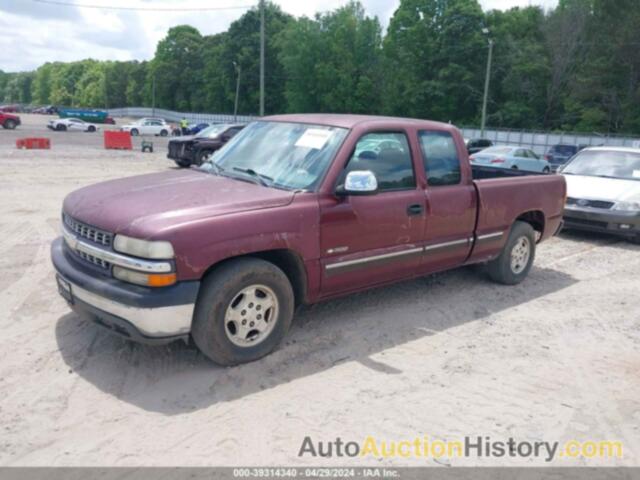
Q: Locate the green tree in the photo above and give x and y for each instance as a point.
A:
(177, 68)
(333, 63)
(433, 60)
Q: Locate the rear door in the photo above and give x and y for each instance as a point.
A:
(450, 202)
(367, 240)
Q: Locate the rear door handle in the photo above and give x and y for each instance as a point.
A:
(415, 209)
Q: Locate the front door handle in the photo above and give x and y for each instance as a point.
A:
(415, 209)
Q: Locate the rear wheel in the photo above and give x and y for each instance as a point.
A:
(9, 124)
(243, 312)
(91, 128)
(514, 167)
(164, 133)
(516, 258)
(546, 170)
(134, 132)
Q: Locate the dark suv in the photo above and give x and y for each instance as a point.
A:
(194, 150)
(560, 154)
(476, 145)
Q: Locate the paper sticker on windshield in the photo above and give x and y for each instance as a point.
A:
(314, 138)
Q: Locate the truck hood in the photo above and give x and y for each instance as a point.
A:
(599, 188)
(145, 206)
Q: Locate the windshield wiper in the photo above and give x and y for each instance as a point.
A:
(264, 180)
(218, 170)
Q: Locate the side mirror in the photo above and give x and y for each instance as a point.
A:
(358, 182)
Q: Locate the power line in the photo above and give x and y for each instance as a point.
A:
(146, 9)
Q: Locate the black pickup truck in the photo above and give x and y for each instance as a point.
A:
(195, 149)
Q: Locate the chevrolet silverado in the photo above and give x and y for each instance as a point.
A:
(293, 210)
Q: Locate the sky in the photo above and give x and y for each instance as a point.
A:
(34, 33)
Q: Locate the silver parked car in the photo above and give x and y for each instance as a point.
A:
(514, 157)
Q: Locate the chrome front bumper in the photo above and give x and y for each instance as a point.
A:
(144, 313)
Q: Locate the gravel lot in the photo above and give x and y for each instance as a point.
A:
(556, 358)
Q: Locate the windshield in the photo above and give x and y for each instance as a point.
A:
(212, 131)
(292, 156)
(605, 163)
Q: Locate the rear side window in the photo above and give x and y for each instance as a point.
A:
(441, 162)
(387, 156)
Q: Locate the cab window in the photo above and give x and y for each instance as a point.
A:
(387, 155)
(441, 162)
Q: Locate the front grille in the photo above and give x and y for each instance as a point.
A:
(590, 203)
(585, 223)
(88, 232)
(91, 259)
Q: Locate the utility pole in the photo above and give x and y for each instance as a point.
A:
(153, 96)
(486, 86)
(261, 58)
(235, 108)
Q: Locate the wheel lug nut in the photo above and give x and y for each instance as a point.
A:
(259, 317)
(259, 307)
(243, 312)
(244, 322)
(251, 305)
(251, 324)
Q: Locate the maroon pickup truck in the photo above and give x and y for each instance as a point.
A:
(293, 210)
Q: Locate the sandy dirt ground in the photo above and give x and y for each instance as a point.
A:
(555, 358)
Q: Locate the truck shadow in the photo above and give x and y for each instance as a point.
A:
(176, 378)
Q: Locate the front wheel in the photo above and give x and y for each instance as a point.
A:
(183, 163)
(164, 133)
(243, 312)
(134, 132)
(91, 128)
(202, 156)
(516, 258)
(546, 170)
(61, 128)
(9, 124)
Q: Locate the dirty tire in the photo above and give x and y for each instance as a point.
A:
(183, 163)
(9, 124)
(61, 128)
(219, 289)
(500, 270)
(202, 156)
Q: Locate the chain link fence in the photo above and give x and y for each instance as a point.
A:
(541, 142)
(538, 141)
(171, 116)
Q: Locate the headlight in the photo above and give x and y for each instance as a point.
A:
(627, 206)
(145, 279)
(143, 248)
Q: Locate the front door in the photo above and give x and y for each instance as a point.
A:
(367, 240)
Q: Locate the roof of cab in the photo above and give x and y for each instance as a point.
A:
(350, 121)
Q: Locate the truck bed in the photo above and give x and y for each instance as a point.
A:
(504, 195)
(481, 172)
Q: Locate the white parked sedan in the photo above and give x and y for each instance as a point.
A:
(514, 157)
(148, 126)
(603, 191)
(73, 124)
